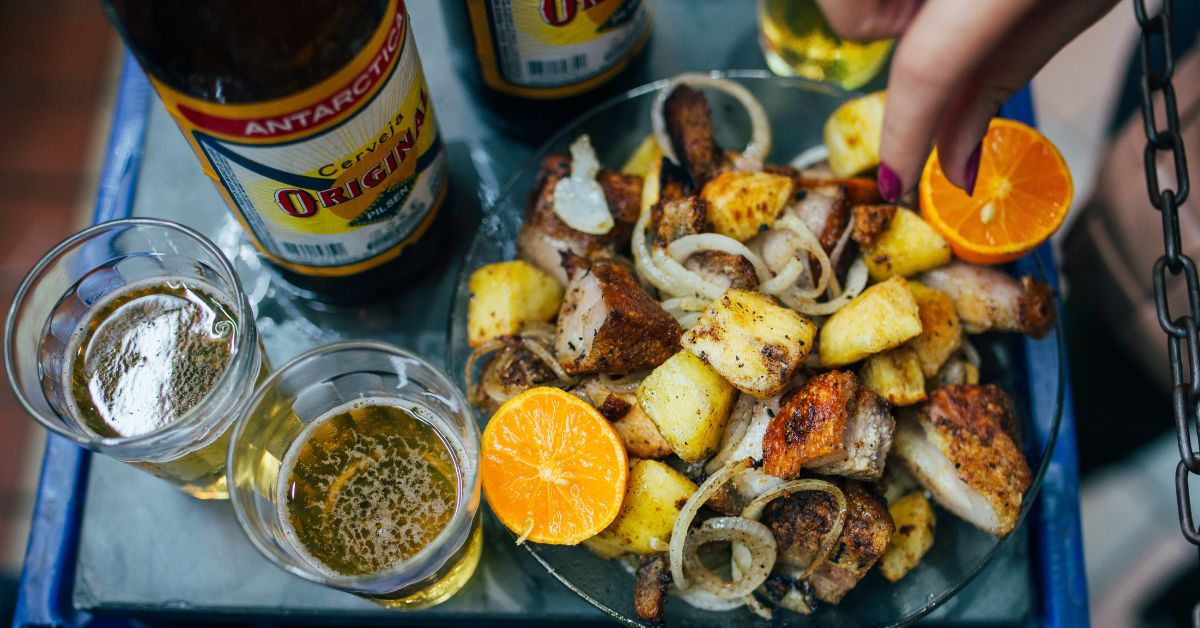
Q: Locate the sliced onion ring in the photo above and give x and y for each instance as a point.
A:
(760, 135)
(755, 508)
(704, 600)
(856, 281)
(689, 245)
(752, 535)
(683, 521)
(810, 157)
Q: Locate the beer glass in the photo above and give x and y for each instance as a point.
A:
(134, 339)
(335, 468)
(797, 41)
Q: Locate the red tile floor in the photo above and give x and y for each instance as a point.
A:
(56, 60)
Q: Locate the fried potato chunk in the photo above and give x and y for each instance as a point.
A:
(752, 341)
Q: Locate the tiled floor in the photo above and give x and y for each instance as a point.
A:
(55, 69)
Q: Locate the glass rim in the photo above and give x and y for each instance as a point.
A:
(241, 303)
(463, 516)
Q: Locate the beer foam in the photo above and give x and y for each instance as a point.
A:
(388, 485)
(147, 354)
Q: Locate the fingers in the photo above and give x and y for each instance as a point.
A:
(940, 49)
(866, 20)
(1034, 40)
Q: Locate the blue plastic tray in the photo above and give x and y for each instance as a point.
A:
(45, 586)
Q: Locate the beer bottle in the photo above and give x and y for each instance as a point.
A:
(540, 62)
(314, 120)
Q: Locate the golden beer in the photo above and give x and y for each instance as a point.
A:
(142, 358)
(798, 41)
(366, 487)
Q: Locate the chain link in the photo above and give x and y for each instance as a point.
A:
(1183, 335)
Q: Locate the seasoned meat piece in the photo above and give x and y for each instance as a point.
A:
(673, 183)
(799, 523)
(637, 431)
(831, 424)
(960, 446)
(678, 218)
(608, 324)
(864, 538)
(988, 299)
(544, 237)
(870, 221)
(689, 125)
(624, 195)
(859, 190)
(825, 211)
(650, 588)
(516, 369)
(724, 269)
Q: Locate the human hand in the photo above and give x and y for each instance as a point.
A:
(955, 64)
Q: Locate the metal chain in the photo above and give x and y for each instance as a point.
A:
(1183, 335)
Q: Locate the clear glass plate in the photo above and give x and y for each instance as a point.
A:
(797, 110)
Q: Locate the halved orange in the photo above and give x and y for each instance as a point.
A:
(553, 469)
(1022, 195)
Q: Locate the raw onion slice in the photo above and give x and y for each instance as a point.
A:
(755, 508)
(578, 199)
(760, 135)
(749, 573)
(683, 521)
(856, 281)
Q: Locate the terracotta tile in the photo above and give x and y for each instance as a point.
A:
(45, 140)
(64, 40)
(35, 218)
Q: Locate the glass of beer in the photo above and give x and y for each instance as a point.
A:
(798, 41)
(134, 339)
(356, 466)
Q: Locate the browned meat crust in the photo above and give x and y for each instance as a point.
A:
(520, 371)
(614, 407)
(799, 523)
(977, 427)
(809, 427)
(870, 221)
(608, 324)
(864, 538)
(736, 269)
(838, 219)
(544, 237)
(689, 125)
(624, 195)
(650, 588)
(677, 218)
(1035, 308)
(859, 190)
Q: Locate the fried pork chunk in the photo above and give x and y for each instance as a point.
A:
(858, 189)
(988, 299)
(832, 425)
(801, 521)
(686, 216)
(650, 588)
(545, 237)
(636, 430)
(513, 371)
(608, 324)
(689, 125)
(961, 446)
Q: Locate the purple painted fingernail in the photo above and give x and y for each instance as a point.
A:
(889, 184)
(972, 173)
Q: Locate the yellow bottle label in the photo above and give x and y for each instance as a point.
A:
(335, 179)
(556, 48)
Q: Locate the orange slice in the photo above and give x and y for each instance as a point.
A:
(553, 469)
(1021, 196)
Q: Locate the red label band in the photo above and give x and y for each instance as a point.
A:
(341, 101)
